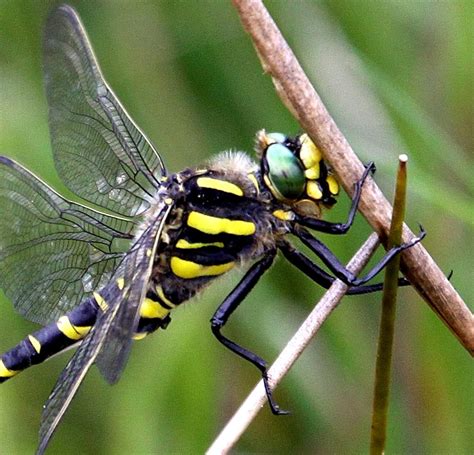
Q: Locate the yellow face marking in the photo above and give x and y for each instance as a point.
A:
(254, 180)
(333, 184)
(120, 283)
(285, 215)
(215, 225)
(35, 343)
(139, 336)
(312, 173)
(309, 153)
(148, 253)
(152, 310)
(5, 372)
(101, 302)
(313, 190)
(168, 201)
(185, 245)
(188, 269)
(73, 332)
(219, 185)
(162, 296)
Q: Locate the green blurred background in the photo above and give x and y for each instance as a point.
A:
(398, 77)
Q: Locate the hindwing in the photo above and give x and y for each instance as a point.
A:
(53, 252)
(109, 341)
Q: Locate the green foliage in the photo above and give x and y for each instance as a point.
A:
(397, 77)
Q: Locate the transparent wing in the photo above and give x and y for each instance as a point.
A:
(53, 253)
(110, 339)
(100, 154)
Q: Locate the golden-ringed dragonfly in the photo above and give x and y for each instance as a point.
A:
(64, 265)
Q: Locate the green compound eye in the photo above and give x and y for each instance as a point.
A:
(285, 172)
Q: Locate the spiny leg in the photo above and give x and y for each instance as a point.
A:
(321, 277)
(229, 305)
(335, 266)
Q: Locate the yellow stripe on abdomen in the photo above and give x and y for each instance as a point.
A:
(5, 372)
(73, 332)
(219, 185)
(35, 343)
(188, 269)
(214, 225)
(103, 305)
(153, 310)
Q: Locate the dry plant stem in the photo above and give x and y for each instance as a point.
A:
(299, 96)
(257, 398)
(387, 320)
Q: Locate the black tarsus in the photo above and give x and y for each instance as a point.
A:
(229, 305)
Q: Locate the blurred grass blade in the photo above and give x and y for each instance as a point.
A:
(442, 148)
(387, 322)
(454, 194)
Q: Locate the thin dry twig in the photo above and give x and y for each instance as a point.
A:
(300, 97)
(257, 398)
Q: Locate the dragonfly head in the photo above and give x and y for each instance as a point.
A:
(294, 171)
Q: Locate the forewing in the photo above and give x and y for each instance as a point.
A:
(110, 339)
(100, 154)
(135, 274)
(53, 253)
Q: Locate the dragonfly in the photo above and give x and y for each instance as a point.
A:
(101, 274)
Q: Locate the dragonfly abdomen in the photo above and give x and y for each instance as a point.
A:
(70, 329)
(50, 340)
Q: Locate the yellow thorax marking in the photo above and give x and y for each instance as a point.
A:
(35, 343)
(73, 332)
(6, 372)
(285, 215)
(254, 180)
(219, 185)
(215, 225)
(152, 310)
(184, 244)
(189, 269)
